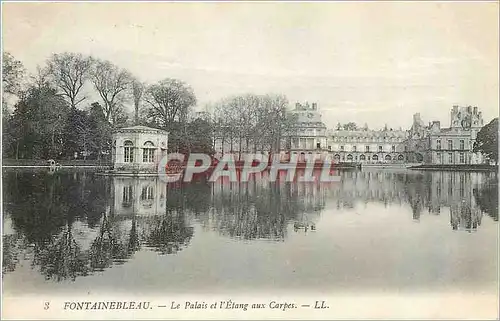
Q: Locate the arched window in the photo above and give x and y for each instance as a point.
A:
(349, 157)
(128, 151)
(400, 157)
(336, 156)
(388, 157)
(375, 157)
(362, 157)
(148, 152)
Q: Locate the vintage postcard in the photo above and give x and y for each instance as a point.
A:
(250, 160)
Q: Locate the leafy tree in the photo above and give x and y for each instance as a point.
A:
(487, 140)
(78, 134)
(101, 131)
(200, 136)
(40, 118)
(12, 74)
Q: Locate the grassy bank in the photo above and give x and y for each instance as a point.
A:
(62, 162)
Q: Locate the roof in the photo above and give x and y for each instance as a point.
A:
(140, 128)
(368, 133)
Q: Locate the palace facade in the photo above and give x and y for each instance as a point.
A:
(421, 144)
(309, 134)
(453, 145)
(368, 146)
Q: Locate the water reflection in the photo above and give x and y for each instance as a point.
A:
(261, 209)
(466, 195)
(72, 224)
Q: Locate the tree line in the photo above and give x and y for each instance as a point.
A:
(54, 116)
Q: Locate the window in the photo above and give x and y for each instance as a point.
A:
(147, 193)
(393, 148)
(406, 148)
(148, 153)
(450, 158)
(462, 185)
(439, 158)
(375, 157)
(380, 148)
(129, 151)
(450, 144)
(341, 148)
(462, 144)
(438, 144)
(318, 145)
(329, 147)
(367, 148)
(462, 158)
(127, 196)
(353, 148)
(362, 157)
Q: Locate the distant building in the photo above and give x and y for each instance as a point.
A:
(368, 146)
(204, 115)
(308, 136)
(453, 145)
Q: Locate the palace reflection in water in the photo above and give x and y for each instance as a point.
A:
(73, 224)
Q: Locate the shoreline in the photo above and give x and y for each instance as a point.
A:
(457, 168)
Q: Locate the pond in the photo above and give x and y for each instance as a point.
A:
(81, 232)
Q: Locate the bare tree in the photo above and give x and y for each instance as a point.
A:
(169, 100)
(253, 122)
(111, 83)
(137, 92)
(69, 72)
(274, 121)
(41, 78)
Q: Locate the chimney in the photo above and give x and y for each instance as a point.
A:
(475, 110)
(314, 106)
(455, 109)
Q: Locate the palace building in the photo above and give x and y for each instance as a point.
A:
(368, 146)
(433, 144)
(309, 134)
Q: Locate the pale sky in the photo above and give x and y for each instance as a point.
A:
(373, 62)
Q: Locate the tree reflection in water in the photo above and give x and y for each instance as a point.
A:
(261, 209)
(70, 224)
